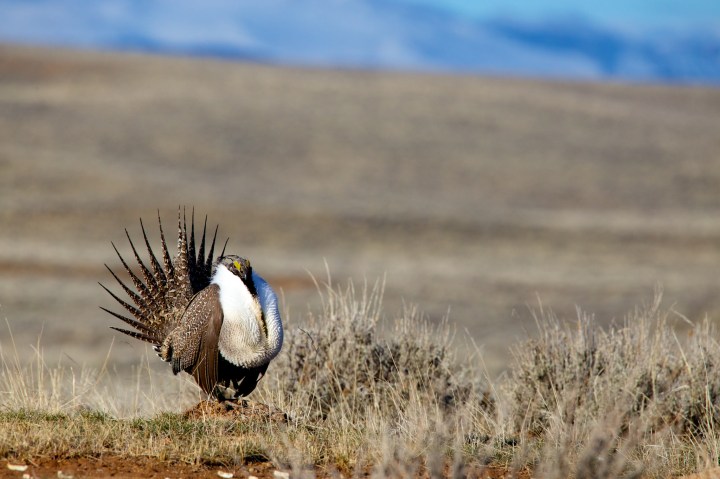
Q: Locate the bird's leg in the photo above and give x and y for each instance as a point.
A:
(235, 404)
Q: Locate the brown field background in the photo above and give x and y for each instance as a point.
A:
(472, 196)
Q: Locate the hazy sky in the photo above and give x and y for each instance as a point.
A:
(648, 13)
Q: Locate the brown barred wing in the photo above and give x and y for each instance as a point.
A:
(193, 345)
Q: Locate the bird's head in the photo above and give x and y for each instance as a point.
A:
(238, 266)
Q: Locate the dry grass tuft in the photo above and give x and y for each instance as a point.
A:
(639, 370)
(617, 399)
(578, 401)
(339, 363)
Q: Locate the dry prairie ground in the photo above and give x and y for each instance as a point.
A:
(579, 401)
(473, 195)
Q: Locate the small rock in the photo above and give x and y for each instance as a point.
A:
(62, 475)
(281, 475)
(17, 467)
(226, 475)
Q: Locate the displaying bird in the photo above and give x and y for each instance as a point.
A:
(218, 321)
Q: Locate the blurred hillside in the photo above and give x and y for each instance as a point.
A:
(473, 196)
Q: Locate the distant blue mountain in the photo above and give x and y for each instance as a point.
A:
(377, 34)
(688, 56)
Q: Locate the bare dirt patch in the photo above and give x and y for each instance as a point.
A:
(123, 467)
(152, 468)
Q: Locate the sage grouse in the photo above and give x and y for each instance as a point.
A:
(218, 321)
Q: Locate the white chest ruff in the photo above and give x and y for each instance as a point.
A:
(251, 333)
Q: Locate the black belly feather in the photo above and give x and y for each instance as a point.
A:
(241, 380)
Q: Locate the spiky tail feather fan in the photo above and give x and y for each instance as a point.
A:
(162, 292)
